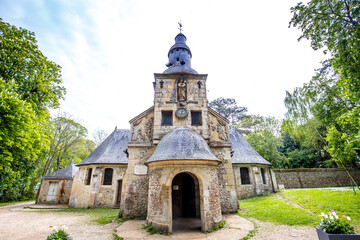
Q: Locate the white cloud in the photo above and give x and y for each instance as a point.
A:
(109, 51)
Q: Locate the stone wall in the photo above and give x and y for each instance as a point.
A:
(256, 186)
(315, 177)
(95, 194)
(227, 189)
(161, 175)
(63, 191)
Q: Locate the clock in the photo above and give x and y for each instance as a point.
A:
(181, 113)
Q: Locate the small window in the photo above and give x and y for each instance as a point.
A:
(196, 119)
(108, 176)
(166, 118)
(263, 175)
(244, 174)
(88, 179)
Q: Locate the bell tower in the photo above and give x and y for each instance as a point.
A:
(180, 94)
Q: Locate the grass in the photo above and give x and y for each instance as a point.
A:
(14, 202)
(271, 208)
(99, 215)
(343, 201)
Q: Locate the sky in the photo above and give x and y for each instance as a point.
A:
(109, 51)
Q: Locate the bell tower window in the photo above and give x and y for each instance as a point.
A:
(166, 118)
(196, 118)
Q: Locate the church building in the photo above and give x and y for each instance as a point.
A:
(179, 159)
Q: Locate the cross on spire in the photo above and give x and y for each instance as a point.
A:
(180, 26)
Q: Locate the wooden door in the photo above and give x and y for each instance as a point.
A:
(51, 196)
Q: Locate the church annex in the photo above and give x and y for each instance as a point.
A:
(179, 159)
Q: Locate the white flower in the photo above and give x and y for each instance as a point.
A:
(348, 218)
(336, 216)
(322, 214)
(325, 216)
(331, 217)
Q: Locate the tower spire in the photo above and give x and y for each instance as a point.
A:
(179, 55)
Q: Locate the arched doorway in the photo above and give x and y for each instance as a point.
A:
(185, 202)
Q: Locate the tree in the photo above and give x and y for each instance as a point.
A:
(37, 80)
(334, 92)
(65, 135)
(229, 109)
(21, 143)
(30, 84)
(266, 144)
(257, 123)
(99, 136)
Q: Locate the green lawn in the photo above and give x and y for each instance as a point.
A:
(99, 215)
(272, 208)
(344, 201)
(14, 202)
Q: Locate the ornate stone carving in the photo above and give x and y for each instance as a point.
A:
(137, 122)
(137, 135)
(182, 90)
(222, 132)
(149, 128)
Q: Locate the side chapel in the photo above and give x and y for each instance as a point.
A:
(179, 159)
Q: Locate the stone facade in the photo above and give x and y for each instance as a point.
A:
(256, 186)
(176, 160)
(160, 192)
(95, 194)
(315, 177)
(63, 190)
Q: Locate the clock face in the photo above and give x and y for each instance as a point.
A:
(181, 113)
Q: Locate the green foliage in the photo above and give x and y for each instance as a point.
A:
(270, 208)
(115, 236)
(267, 145)
(37, 80)
(217, 227)
(30, 84)
(333, 224)
(332, 96)
(257, 123)
(152, 230)
(67, 138)
(228, 108)
(99, 215)
(304, 145)
(21, 143)
(59, 234)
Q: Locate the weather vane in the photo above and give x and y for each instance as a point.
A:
(180, 26)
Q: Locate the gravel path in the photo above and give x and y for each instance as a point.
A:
(17, 223)
(270, 231)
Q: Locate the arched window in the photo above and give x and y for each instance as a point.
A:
(108, 174)
(263, 175)
(244, 174)
(88, 178)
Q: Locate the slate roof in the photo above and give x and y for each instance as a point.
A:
(243, 152)
(64, 173)
(111, 150)
(180, 69)
(182, 144)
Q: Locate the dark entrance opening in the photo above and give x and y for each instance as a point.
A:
(118, 196)
(185, 202)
